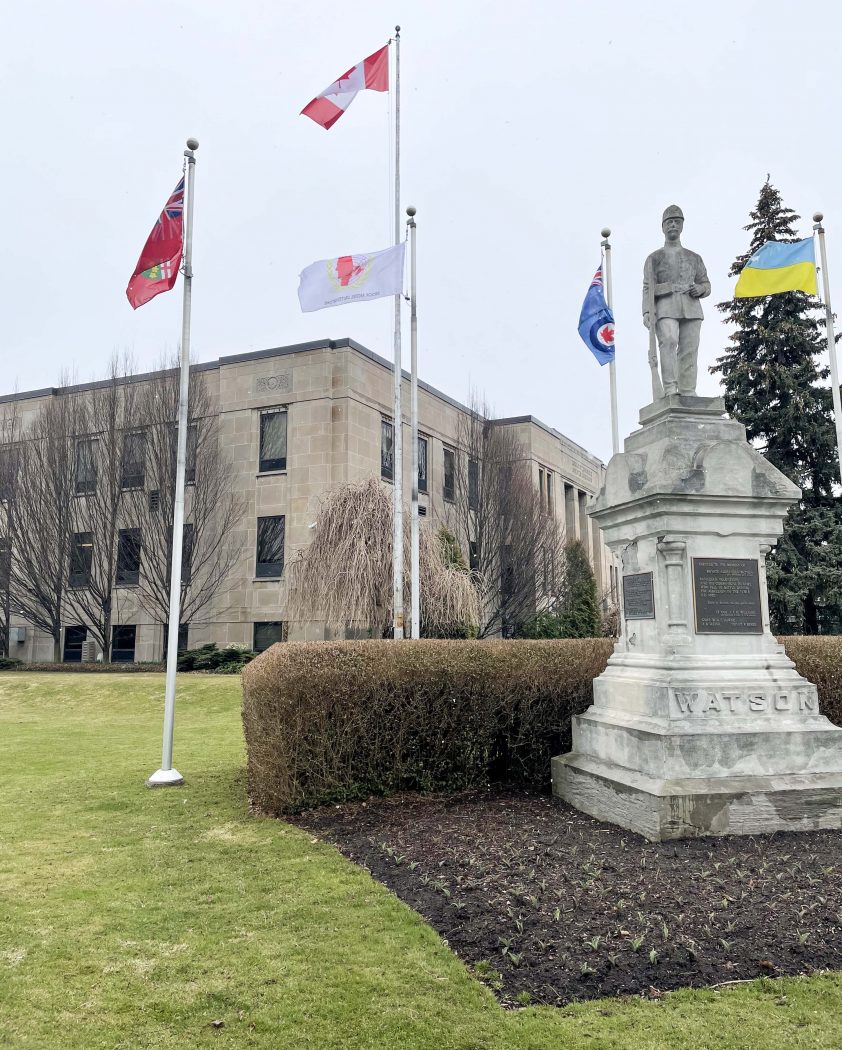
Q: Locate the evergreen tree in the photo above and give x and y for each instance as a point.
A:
(581, 612)
(775, 386)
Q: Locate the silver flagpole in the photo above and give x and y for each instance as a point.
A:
(397, 428)
(415, 556)
(612, 371)
(166, 775)
(831, 339)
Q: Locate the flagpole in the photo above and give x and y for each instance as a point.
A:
(831, 338)
(414, 547)
(397, 428)
(167, 776)
(612, 370)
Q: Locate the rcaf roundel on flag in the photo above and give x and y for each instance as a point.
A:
(372, 74)
(352, 279)
(596, 322)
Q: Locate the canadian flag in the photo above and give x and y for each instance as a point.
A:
(371, 73)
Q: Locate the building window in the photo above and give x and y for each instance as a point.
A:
(387, 450)
(273, 440)
(422, 464)
(128, 556)
(190, 456)
(86, 469)
(133, 466)
(449, 485)
(550, 492)
(5, 563)
(7, 472)
(123, 643)
(81, 559)
(473, 484)
(74, 639)
(473, 555)
(270, 546)
(187, 554)
(183, 636)
(266, 633)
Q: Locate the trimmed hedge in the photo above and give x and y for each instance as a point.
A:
(818, 658)
(327, 721)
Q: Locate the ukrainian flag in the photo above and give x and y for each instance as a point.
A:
(778, 267)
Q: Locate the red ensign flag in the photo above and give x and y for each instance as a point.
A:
(157, 267)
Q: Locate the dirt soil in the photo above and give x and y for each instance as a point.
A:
(548, 906)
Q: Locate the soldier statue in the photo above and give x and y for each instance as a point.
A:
(674, 280)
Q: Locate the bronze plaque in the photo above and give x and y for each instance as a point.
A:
(638, 597)
(726, 596)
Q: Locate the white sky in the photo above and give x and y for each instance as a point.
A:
(526, 128)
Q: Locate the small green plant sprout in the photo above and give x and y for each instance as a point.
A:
(613, 958)
(519, 925)
(636, 943)
(594, 942)
(653, 956)
(620, 905)
(557, 914)
(488, 975)
(803, 937)
(505, 943)
(585, 970)
(515, 958)
(523, 999)
(726, 945)
(665, 931)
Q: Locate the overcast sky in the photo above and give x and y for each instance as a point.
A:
(526, 128)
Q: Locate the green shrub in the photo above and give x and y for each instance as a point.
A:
(230, 660)
(9, 663)
(327, 721)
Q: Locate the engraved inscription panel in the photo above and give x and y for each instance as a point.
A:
(726, 596)
(748, 701)
(638, 596)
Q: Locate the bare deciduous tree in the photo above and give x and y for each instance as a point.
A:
(511, 534)
(212, 508)
(345, 576)
(40, 525)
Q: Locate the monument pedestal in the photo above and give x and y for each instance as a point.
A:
(700, 723)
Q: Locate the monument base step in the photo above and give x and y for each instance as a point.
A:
(692, 807)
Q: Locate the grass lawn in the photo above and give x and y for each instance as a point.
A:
(132, 918)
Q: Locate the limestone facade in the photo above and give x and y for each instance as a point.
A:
(336, 394)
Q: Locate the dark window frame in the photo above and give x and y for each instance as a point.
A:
(423, 463)
(473, 484)
(120, 631)
(268, 464)
(129, 550)
(264, 624)
(448, 491)
(133, 471)
(188, 538)
(79, 578)
(270, 568)
(387, 449)
(86, 474)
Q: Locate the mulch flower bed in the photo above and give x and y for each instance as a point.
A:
(549, 906)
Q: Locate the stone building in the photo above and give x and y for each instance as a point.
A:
(297, 421)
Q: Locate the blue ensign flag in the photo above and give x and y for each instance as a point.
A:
(596, 322)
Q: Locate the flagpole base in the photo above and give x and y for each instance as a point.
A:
(165, 778)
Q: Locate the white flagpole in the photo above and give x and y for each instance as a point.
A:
(414, 548)
(397, 428)
(612, 371)
(831, 339)
(167, 776)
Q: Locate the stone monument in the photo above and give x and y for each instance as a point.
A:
(700, 723)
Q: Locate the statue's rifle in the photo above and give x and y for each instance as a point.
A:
(657, 385)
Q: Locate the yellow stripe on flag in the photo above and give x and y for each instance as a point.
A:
(753, 281)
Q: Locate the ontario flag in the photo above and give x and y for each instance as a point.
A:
(157, 267)
(596, 322)
(372, 73)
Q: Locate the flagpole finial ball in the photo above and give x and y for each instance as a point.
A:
(817, 216)
(192, 143)
(606, 231)
(410, 211)
(397, 29)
